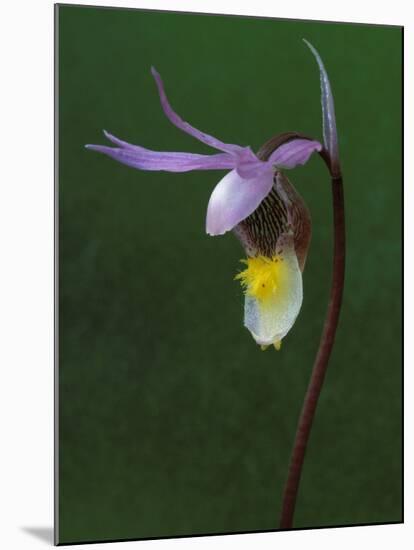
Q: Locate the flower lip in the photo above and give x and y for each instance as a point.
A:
(271, 317)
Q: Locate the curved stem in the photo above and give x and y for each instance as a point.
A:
(324, 351)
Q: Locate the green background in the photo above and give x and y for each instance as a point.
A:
(172, 421)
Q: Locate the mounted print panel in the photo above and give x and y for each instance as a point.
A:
(229, 196)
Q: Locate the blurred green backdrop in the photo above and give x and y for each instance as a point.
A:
(172, 421)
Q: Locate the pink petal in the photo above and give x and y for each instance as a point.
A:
(235, 198)
(294, 152)
(184, 126)
(145, 159)
(249, 166)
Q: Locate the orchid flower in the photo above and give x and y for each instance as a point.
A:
(255, 200)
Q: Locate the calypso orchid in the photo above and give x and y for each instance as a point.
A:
(257, 201)
(254, 199)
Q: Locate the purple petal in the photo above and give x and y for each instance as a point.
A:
(249, 166)
(182, 125)
(145, 159)
(235, 198)
(330, 135)
(123, 144)
(294, 152)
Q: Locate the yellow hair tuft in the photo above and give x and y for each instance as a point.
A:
(263, 276)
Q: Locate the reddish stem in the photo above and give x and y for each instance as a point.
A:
(324, 351)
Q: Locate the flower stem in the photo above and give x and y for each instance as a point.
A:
(324, 351)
